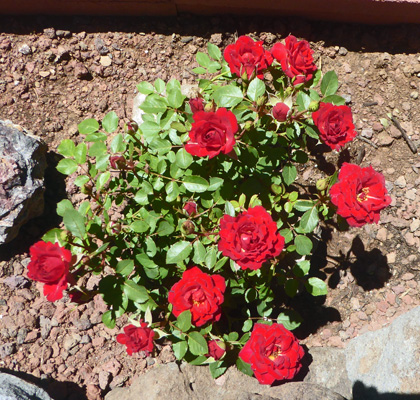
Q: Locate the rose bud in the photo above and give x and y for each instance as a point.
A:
(196, 104)
(187, 227)
(313, 106)
(117, 162)
(132, 127)
(281, 112)
(190, 207)
(217, 348)
(321, 184)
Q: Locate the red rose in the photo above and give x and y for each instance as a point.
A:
(196, 104)
(295, 58)
(360, 194)
(335, 125)
(190, 207)
(251, 238)
(246, 56)
(281, 112)
(215, 350)
(200, 293)
(117, 162)
(273, 352)
(212, 133)
(50, 264)
(137, 338)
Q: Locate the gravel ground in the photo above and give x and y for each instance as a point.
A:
(56, 72)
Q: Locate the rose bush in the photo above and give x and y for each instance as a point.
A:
(251, 238)
(198, 221)
(360, 194)
(137, 338)
(273, 352)
(335, 124)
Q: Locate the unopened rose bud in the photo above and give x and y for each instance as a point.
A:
(321, 184)
(132, 127)
(261, 101)
(281, 112)
(187, 227)
(86, 188)
(117, 162)
(190, 207)
(313, 106)
(209, 107)
(244, 76)
(196, 104)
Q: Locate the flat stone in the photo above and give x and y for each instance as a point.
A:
(14, 388)
(105, 61)
(384, 139)
(400, 182)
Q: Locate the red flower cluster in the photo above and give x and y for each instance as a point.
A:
(246, 56)
(137, 338)
(335, 124)
(200, 293)
(295, 58)
(273, 352)
(360, 194)
(251, 238)
(50, 264)
(212, 133)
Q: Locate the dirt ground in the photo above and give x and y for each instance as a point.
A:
(55, 72)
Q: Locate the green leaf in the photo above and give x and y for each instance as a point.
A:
(202, 59)
(217, 369)
(220, 263)
(329, 84)
(145, 88)
(74, 222)
(289, 319)
(256, 89)
(108, 318)
(199, 252)
(165, 228)
(66, 148)
(247, 325)
(304, 205)
(183, 321)
(289, 174)
(214, 51)
(160, 85)
(175, 98)
(98, 149)
(334, 99)
(303, 245)
(102, 180)
(172, 191)
(139, 226)
(135, 292)
(183, 158)
(55, 235)
(303, 101)
(63, 206)
(199, 70)
(80, 153)
(310, 131)
(178, 252)
(215, 183)
(316, 287)
(309, 220)
(197, 344)
(195, 184)
(117, 144)
(302, 268)
(180, 348)
(154, 104)
(150, 130)
(125, 267)
(211, 257)
(67, 166)
(110, 122)
(291, 286)
(229, 209)
(179, 127)
(227, 96)
(88, 126)
(244, 367)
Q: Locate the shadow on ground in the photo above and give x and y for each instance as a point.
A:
(362, 392)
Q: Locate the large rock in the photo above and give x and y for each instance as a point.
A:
(14, 388)
(22, 165)
(195, 383)
(383, 361)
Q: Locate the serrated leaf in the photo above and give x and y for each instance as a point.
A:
(183, 321)
(227, 96)
(139, 226)
(102, 180)
(195, 184)
(154, 104)
(302, 268)
(125, 267)
(108, 318)
(289, 174)
(303, 205)
(199, 252)
(199, 70)
(67, 148)
(160, 85)
(244, 367)
(197, 344)
(316, 287)
(55, 235)
(211, 257)
(179, 349)
(145, 88)
(67, 166)
(215, 183)
(87, 126)
(178, 252)
(135, 292)
(329, 84)
(183, 158)
(202, 59)
(309, 220)
(229, 209)
(217, 369)
(334, 99)
(117, 144)
(74, 222)
(214, 51)
(80, 153)
(310, 131)
(255, 89)
(303, 245)
(175, 98)
(110, 122)
(165, 228)
(289, 319)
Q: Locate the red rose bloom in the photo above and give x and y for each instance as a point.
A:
(295, 58)
(190, 207)
(281, 112)
(212, 133)
(200, 293)
(215, 350)
(196, 104)
(246, 56)
(273, 352)
(335, 125)
(251, 238)
(50, 264)
(360, 194)
(137, 338)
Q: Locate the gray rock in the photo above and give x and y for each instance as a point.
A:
(195, 383)
(383, 361)
(22, 168)
(25, 49)
(14, 388)
(101, 47)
